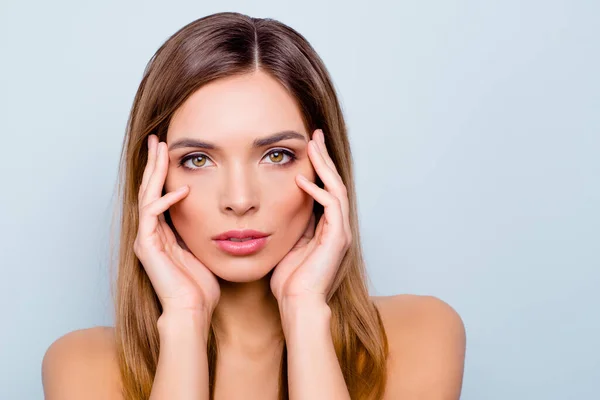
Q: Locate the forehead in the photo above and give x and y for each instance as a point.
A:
(238, 107)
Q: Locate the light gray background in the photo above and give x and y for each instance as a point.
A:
(475, 132)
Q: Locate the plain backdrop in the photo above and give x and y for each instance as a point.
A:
(475, 133)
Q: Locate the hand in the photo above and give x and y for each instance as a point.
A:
(310, 266)
(180, 280)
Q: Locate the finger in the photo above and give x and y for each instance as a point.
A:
(149, 164)
(168, 234)
(162, 232)
(157, 179)
(319, 229)
(150, 212)
(332, 181)
(323, 147)
(309, 232)
(168, 239)
(307, 236)
(332, 208)
(180, 241)
(329, 176)
(340, 189)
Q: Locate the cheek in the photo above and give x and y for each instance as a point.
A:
(286, 209)
(283, 206)
(194, 216)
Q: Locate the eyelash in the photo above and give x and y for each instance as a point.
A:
(193, 155)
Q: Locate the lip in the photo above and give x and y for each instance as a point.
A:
(240, 234)
(258, 241)
(242, 248)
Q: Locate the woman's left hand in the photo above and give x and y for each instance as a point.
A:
(307, 271)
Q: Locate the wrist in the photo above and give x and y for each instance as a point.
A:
(298, 314)
(184, 323)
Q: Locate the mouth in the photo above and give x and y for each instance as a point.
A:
(242, 247)
(240, 235)
(241, 242)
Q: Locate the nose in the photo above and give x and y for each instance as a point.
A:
(240, 193)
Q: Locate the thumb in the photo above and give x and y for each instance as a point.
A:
(309, 232)
(180, 241)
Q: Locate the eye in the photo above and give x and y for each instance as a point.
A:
(278, 154)
(198, 160)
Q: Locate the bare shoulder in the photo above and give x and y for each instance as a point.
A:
(427, 342)
(82, 364)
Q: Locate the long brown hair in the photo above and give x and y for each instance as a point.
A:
(210, 48)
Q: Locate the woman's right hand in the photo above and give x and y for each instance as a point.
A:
(180, 280)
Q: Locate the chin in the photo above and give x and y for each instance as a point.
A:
(241, 269)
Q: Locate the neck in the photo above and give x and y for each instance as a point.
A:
(247, 316)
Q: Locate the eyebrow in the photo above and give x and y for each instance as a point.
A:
(257, 143)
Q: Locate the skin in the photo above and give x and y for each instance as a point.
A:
(241, 187)
(427, 352)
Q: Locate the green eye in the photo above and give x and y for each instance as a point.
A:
(276, 156)
(198, 160)
(201, 164)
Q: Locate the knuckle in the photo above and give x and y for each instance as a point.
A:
(337, 201)
(145, 209)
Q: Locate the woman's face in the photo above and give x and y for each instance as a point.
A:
(236, 185)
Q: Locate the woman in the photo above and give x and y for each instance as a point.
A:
(240, 270)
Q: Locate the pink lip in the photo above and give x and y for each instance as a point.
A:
(242, 248)
(240, 234)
